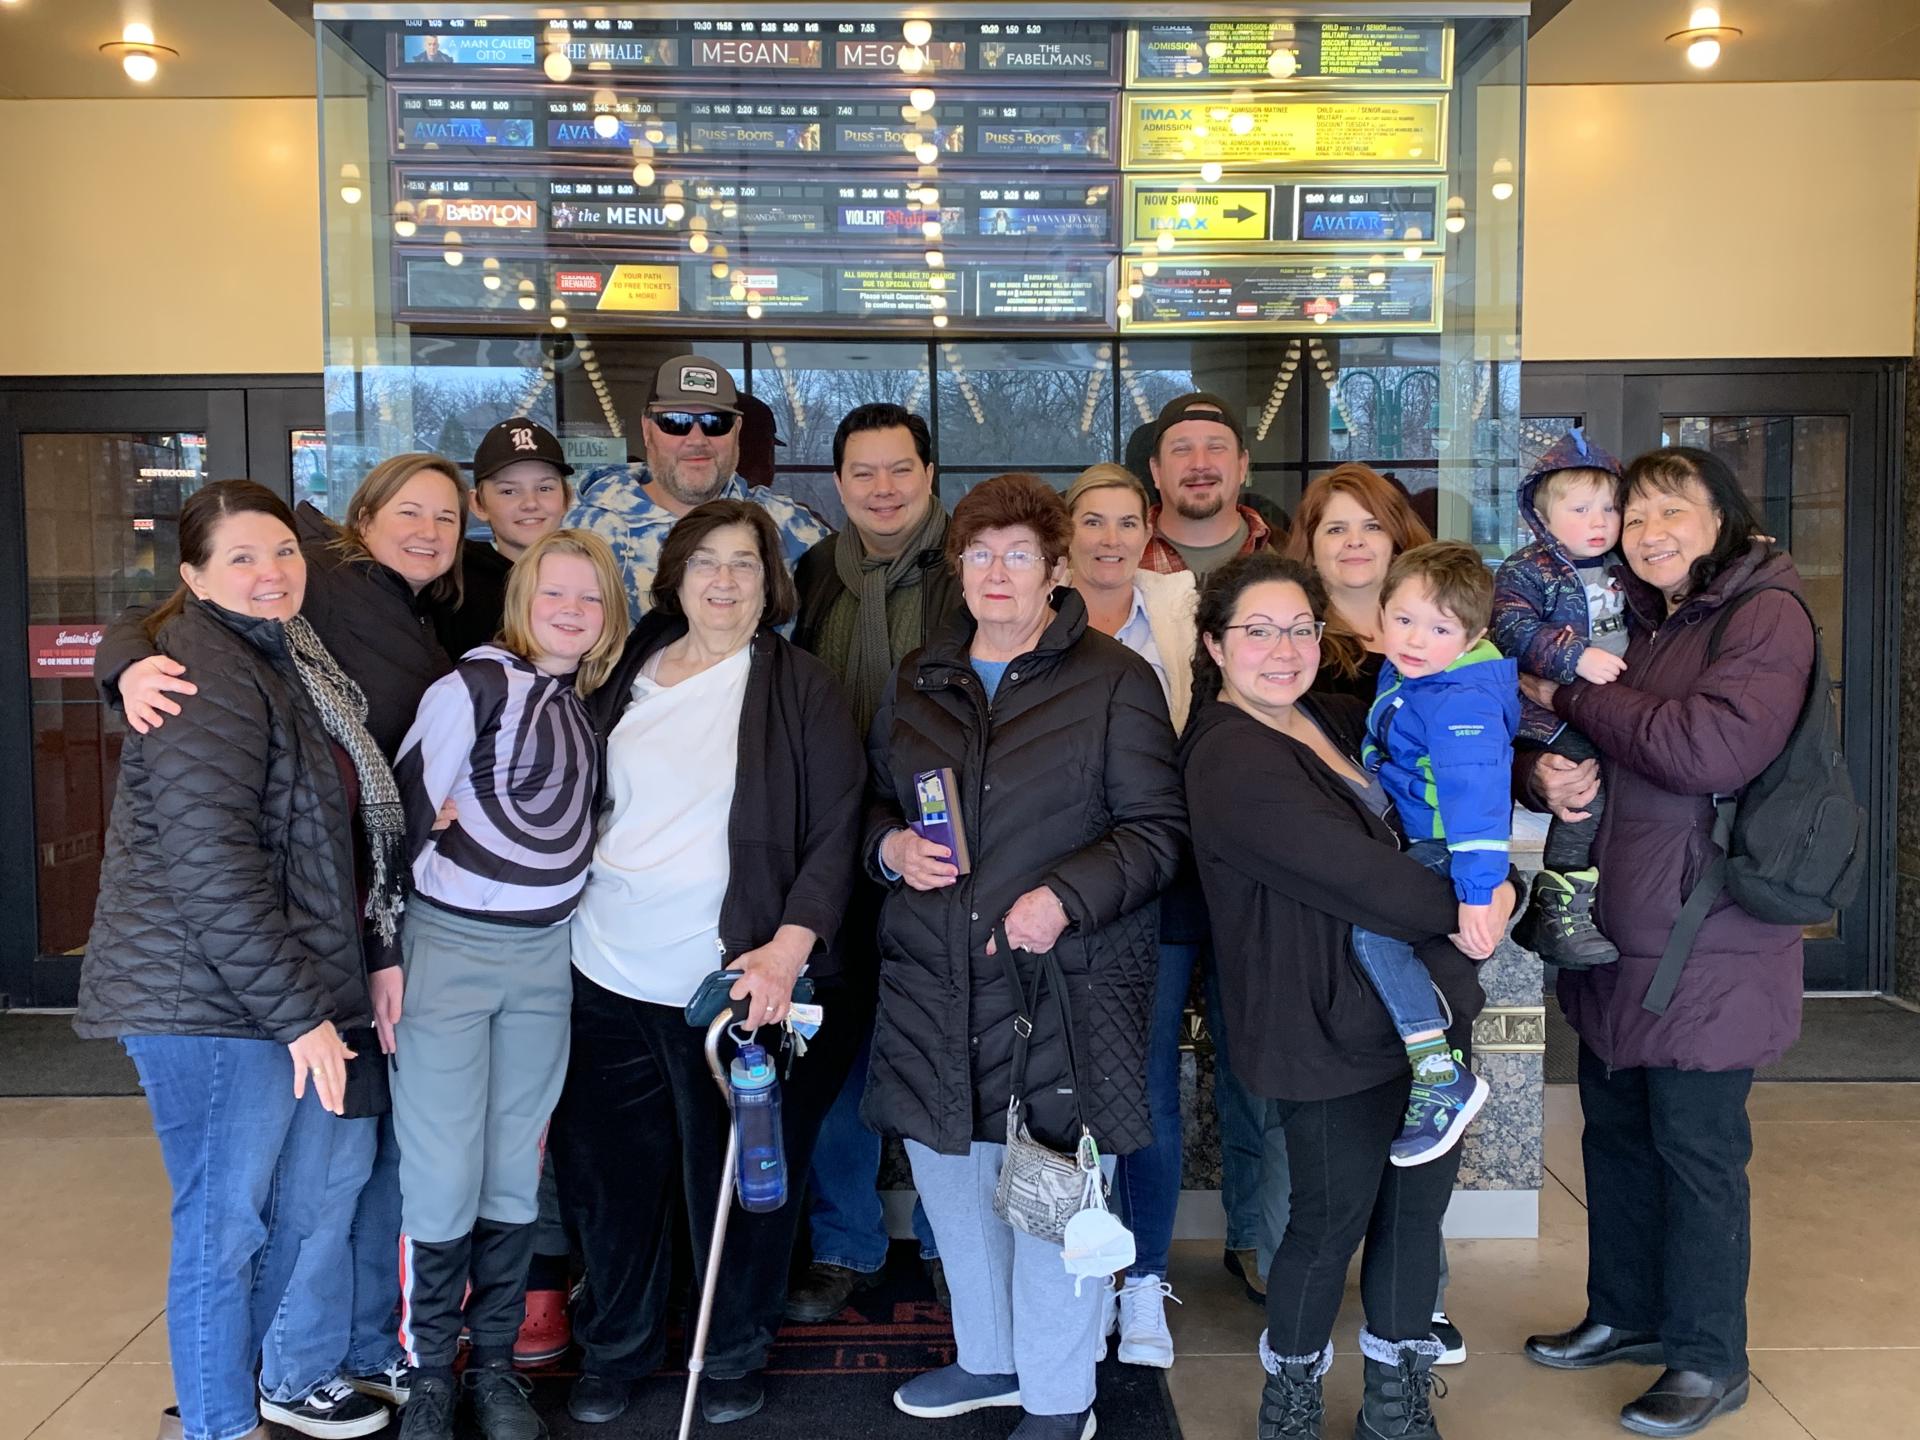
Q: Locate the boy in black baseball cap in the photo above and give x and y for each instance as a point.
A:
(520, 490)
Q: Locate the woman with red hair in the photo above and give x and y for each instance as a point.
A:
(1351, 523)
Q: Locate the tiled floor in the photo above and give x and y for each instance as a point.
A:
(1835, 1303)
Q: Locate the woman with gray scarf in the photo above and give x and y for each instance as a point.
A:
(227, 952)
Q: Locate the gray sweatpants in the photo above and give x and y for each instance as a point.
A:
(480, 1052)
(1014, 1310)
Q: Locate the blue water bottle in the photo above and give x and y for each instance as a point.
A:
(761, 1170)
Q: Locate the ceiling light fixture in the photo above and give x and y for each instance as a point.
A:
(139, 56)
(1703, 37)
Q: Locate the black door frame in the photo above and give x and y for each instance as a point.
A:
(240, 415)
(1623, 402)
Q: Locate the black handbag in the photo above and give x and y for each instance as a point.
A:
(1040, 1189)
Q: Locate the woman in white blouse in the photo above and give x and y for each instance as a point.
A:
(728, 839)
(1152, 615)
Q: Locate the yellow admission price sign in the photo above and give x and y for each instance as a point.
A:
(1205, 214)
(1178, 132)
(651, 288)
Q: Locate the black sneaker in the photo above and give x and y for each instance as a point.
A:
(1453, 1345)
(335, 1411)
(429, 1414)
(500, 1397)
(722, 1401)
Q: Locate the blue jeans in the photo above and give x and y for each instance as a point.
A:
(1147, 1182)
(846, 1220)
(1395, 972)
(1242, 1119)
(314, 1200)
(375, 1240)
(223, 1110)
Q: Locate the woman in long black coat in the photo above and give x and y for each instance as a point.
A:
(1062, 755)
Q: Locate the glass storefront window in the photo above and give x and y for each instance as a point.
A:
(1033, 235)
(103, 533)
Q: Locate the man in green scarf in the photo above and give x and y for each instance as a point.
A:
(868, 596)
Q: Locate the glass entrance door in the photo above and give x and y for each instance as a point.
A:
(96, 530)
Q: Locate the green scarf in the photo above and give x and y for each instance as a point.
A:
(876, 580)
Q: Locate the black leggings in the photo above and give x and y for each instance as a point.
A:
(1345, 1190)
(1570, 842)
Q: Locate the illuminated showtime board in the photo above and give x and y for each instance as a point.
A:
(1265, 212)
(834, 293)
(1180, 132)
(1300, 295)
(1299, 54)
(607, 205)
(779, 51)
(504, 203)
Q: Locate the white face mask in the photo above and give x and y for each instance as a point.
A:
(1095, 1245)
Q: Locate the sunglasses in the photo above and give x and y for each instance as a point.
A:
(681, 422)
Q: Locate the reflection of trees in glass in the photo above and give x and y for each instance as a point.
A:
(1025, 406)
(808, 404)
(390, 410)
(1387, 412)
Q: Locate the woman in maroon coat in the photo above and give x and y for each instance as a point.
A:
(1664, 1095)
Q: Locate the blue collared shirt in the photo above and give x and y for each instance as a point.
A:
(1137, 636)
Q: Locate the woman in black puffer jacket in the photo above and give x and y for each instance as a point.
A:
(1059, 740)
(226, 952)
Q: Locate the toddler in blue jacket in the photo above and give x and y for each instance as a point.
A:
(1559, 611)
(1440, 739)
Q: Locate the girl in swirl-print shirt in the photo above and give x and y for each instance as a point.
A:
(505, 743)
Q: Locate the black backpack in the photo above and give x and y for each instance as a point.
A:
(1789, 848)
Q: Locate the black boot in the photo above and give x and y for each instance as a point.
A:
(1291, 1405)
(1558, 925)
(1681, 1402)
(823, 1292)
(501, 1400)
(1397, 1403)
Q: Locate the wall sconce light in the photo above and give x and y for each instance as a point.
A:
(139, 56)
(1502, 187)
(1456, 215)
(1703, 37)
(350, 191)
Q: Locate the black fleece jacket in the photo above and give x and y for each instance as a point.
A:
(1290, 862)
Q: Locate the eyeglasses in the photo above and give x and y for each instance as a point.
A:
(1019, 561)
(681, 422)
(707, 566)
(1302, 635)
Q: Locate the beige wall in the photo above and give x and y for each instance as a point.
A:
(1662, 221)
(159, 237)
(1720, 221)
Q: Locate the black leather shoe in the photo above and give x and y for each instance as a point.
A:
(823, 1292)
(937, 1277)
(731, 1399)
(1683, 1401)
(596, 1399)
(1588, 1345)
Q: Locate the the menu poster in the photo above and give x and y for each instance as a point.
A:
(610, 207)
(770, 288)
(458, 121)
(1297, 295)
(506, 205)
(1257, 212)
(1165, 132)
(878, 290)
(466, 43)
(1294, 53)
(1054, 291)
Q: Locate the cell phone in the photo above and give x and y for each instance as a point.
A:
(713, 996)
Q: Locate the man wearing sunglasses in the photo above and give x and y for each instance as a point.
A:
(691, 433)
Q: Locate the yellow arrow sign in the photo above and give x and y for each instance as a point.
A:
(1242, 213)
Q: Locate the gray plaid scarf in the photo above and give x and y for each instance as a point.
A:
(343, 710)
